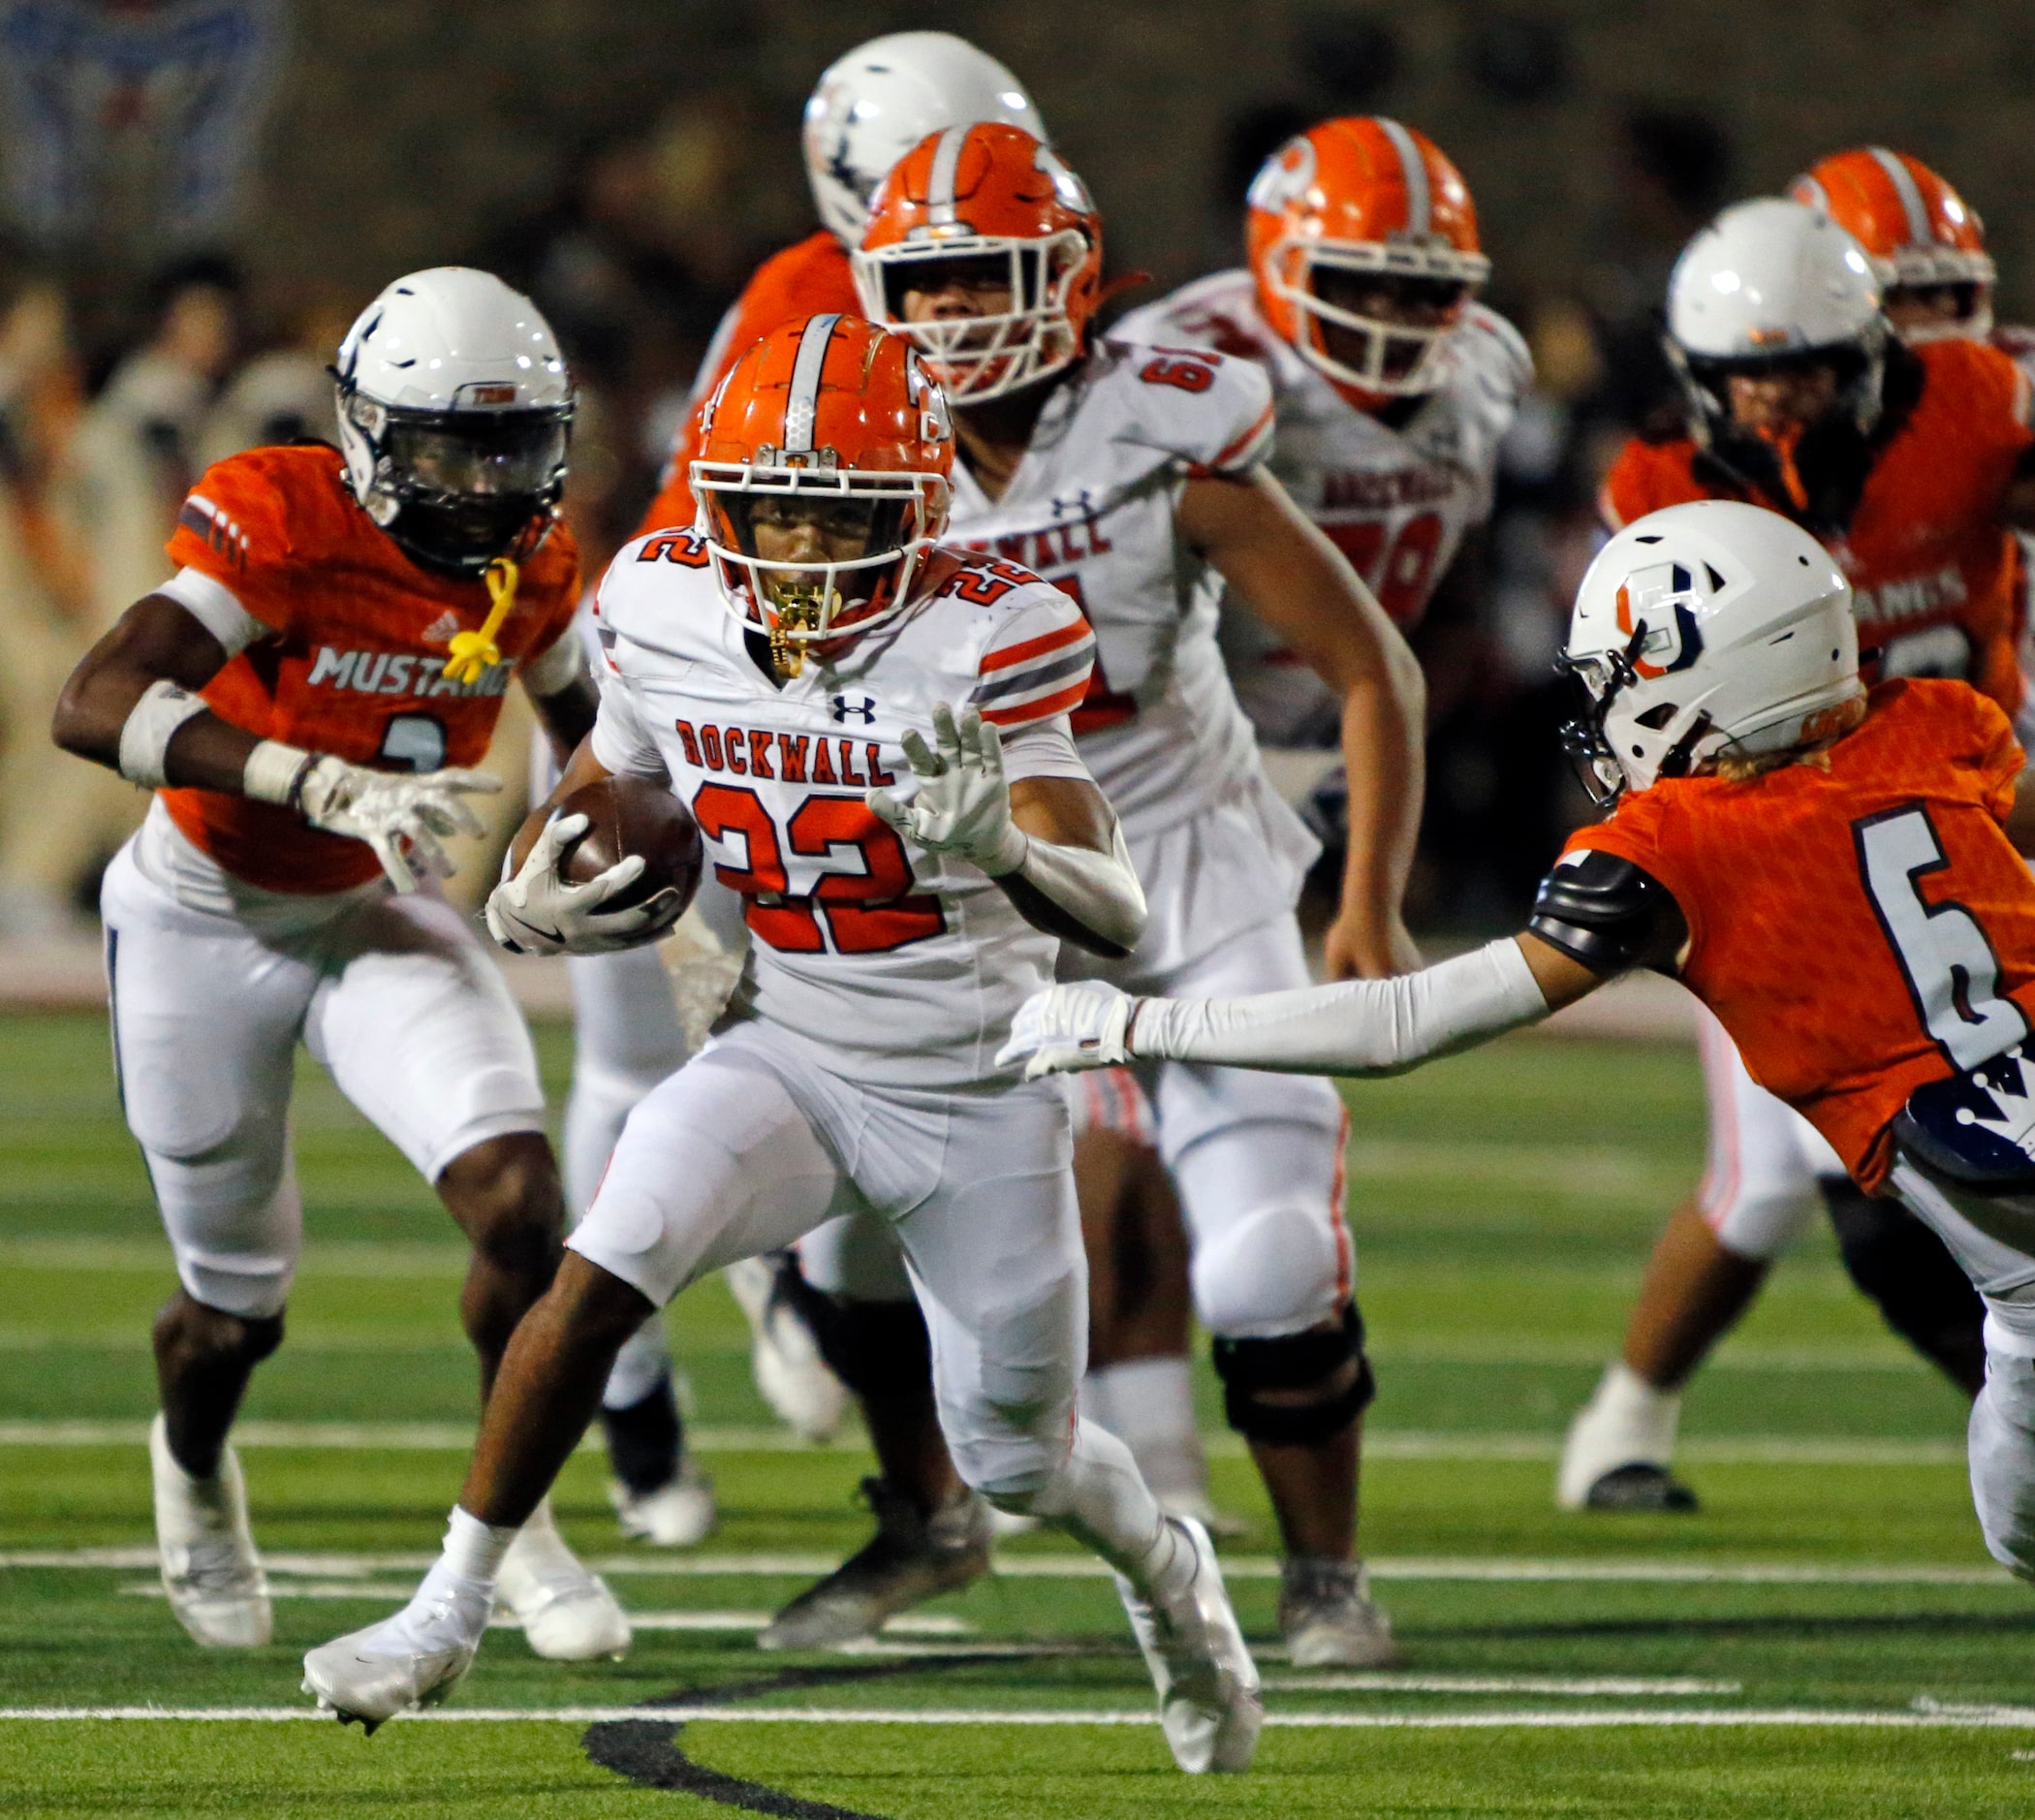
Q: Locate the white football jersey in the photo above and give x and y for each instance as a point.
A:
(896, 966)
(1396, 501)
(1091, 509)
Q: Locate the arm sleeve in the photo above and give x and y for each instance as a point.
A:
(621, 742)
(216, 608)
(233, 529)
(558, 667)
(1038, 660)
(1360, 1027)
(1043, 748)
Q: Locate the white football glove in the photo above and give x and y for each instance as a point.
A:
(402, 815)
(963, 804)
(1067, 1028)
(536, 912)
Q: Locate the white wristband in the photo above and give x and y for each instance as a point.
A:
(274, 773)
(1360, 1027)
(144, 736)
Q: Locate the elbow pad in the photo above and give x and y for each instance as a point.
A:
(1099, 890)
(1600, 910)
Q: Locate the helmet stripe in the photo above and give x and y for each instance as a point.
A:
(803, 405)
(1908, 191)
(1810, 190)
(939, 186)
(1420, 203)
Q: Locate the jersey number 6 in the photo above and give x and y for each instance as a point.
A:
(1952, 971)
(867, 911)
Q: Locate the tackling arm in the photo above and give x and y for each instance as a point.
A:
(132, 705)
(1288, 574)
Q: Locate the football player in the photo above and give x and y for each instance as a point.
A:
(1134, 477)
(1826, 867)
(908, 871)
(1393, 387)
(301, 697)
(1910, 461)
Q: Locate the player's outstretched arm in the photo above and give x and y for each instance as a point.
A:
(1297, 582)
(1356, 1027)
(132, 705)
(1051, 843)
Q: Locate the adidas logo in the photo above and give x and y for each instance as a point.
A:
(440, 630)
(2004, 1079)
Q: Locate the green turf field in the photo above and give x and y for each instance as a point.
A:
(1826, 1638)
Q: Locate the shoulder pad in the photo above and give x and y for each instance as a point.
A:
(1602, 911)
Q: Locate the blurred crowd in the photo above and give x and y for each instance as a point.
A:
(114, 396)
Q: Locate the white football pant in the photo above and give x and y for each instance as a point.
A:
(751, 1145)
(1993, 1239)
(626, 1037)
(396, 996)
(1759, 1192)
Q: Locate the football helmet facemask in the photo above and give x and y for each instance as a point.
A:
(454, 414)
(823, 483)
(992, 212)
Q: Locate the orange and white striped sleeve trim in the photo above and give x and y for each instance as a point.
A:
(1039, 665)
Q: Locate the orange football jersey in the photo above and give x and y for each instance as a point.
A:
(1927, 548)
(809, 278)
(1859, 929)
(357, 664)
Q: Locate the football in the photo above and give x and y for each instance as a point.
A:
(634, 815)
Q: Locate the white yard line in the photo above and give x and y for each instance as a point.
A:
(1422, 1444)
(1573, 1686)
(2018, 1718)
(284, 1567)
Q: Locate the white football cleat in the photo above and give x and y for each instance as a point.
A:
(679, 1514)
(1329, 1619)
(1209, 1704)
(784, 1358)
(210, 1569)
(566, 1613)
(1621, 1449)
(405, 1662)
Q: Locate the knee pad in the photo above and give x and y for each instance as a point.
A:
(1294, 1361)
(876, 1348)
(1909, 1274)
(1280, 1264)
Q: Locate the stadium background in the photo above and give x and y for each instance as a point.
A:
(202, 192)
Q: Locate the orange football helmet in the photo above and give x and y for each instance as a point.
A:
(823, 481)
(1917, 230)
(1365, 197)
(996, 198)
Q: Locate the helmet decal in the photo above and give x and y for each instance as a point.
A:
(1642, 597)
(1285, 177)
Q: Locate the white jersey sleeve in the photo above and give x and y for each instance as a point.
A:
(1037, 664)
(1213, 416)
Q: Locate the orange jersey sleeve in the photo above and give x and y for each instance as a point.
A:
(809, 278)
(1859, 929)
(354, 660)
(1646, 477)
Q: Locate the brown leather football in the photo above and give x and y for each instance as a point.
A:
(634, 815)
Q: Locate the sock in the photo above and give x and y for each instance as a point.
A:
(474, 1550)
(645, 1438)
(1643, 1419)
(640, 1367)
(1099, 1499)
(1148, 1405)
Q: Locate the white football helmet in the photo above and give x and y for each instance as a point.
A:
(880, 100)
(1702, 629)
(1768, 282)
(455, 413)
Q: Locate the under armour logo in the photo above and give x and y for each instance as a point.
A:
(864, 710)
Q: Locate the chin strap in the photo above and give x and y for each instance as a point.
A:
(474, 653)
